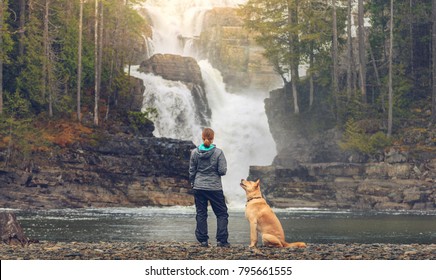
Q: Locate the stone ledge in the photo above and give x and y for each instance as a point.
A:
(329, 191)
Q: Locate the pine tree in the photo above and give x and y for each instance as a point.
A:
(30, 84)
(276, 25)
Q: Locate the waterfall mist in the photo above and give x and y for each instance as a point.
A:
(239, 120)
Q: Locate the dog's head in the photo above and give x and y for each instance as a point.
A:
(252, 189)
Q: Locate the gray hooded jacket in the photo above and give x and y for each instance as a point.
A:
(206, 167)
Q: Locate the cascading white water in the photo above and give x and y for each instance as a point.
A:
(239, 120)
(241, 129)
(174, 104)
(174, 21)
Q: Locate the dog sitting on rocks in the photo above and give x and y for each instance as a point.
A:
(262, 219)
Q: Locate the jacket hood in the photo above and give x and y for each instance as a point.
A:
(205, 152)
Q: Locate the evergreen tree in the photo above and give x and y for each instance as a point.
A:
(276, 25)
(316, 34)
(5, 45)
(410, 72)
(30, 82)
(294, 33)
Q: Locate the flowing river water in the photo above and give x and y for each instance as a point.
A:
(178, 224)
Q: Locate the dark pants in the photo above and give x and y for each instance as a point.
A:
(219, 207)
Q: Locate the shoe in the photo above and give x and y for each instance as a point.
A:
(204, 244)
(223, 244)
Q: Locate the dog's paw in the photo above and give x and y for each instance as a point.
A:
(297, 245)
(255, 250)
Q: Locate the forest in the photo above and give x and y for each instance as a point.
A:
(371, 59)
(63, 60)
(364, 60)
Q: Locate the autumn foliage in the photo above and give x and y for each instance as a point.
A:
(63, 133)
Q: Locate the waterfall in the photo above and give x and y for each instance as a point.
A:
(241, 129)
(174, 104)
(239, 120)
(176, 21)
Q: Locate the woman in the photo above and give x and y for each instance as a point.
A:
(206, 166)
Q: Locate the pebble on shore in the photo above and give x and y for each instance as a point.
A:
(46, 250)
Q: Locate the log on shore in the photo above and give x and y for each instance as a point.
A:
(11, 231)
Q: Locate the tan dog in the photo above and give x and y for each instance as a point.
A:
(262, 219)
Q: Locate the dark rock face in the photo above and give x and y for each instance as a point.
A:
(173, 67)
(294, 139)
(133, 103)
(117, 171)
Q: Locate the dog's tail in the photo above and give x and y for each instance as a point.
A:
(295, 245)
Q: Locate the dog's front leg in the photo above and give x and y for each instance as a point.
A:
(253, 234)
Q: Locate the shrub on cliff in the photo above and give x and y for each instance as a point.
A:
(142, 121)
(357, 139)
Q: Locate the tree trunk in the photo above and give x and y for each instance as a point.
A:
(433, 36)
(311, 86)
(79, 64)
(350, 66)
(295, 91)
(109, 91)
(335, 58)
(21, 26)
(411, 39)
(1, 54)
(96, 68)
(100, 45)
(47, 67)
(30, 3)
(377, 78)
(362, 55)
(391, 44)
(292, 62)
(11, 231)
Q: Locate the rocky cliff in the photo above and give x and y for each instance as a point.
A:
(113, 171)
(231, 49)
(378, 186)
(298, 137)
(311, 170)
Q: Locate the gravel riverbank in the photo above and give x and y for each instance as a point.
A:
(192, 251)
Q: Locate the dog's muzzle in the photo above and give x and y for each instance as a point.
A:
(242, 184)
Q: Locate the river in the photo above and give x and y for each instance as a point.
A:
(178, 224)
